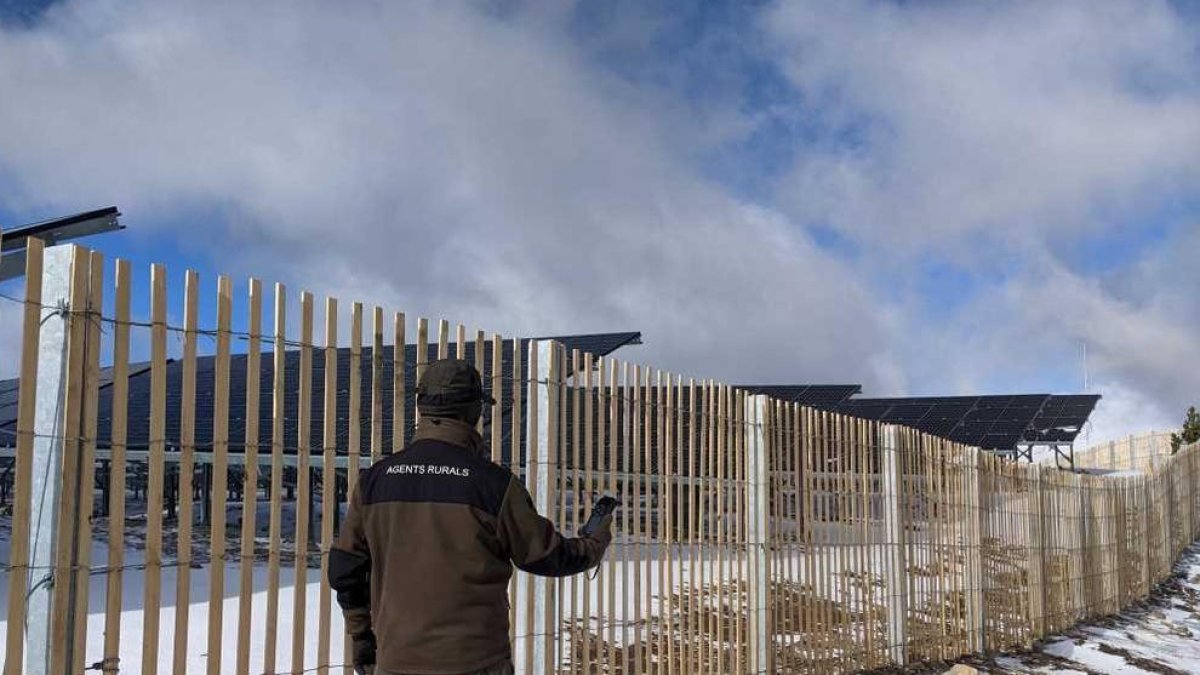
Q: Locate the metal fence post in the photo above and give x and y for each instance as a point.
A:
(757, 507)
(534, 652)
(48, 445)
(975, 552)
(1036, 559)
(897, 563)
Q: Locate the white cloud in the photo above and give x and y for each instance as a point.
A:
(988, 137)
(447, 161)
(1124, 411)
(430, 158)
(1010, 122)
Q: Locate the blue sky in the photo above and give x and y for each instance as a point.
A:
(924, 197)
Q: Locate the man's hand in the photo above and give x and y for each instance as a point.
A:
(363, 653)
(603, 531)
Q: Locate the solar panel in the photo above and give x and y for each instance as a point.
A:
(984, 414)
(806, 394)
(949, 411)
(1061, 419)
(868, 410)
(992, 422)
(139, 392)
(939, 427)
(8, 404)
(909, 411)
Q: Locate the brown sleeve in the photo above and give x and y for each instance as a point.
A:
(535, 546)
(350, 570)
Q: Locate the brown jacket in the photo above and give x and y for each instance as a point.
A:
(426, 552)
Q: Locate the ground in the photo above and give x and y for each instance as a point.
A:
(1158, 637)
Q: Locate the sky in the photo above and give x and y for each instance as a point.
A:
(927, 198)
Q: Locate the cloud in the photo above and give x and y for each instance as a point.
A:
(493, 165)
(431, 158)
(999, 139)
(951, 125)
(1124, 411)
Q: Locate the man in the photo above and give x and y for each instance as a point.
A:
(422, 564)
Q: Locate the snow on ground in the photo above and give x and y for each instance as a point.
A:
(132, 617)
(1158, 637)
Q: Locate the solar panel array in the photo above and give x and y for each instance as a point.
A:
(139, 392)
(8, 402)
(991, 422)
(807, 394)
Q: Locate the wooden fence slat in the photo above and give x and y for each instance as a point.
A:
(328, 482)
(587, 492)
(278, 429)
(560, 448)
(354, 433)
(220, 476)
(632, 511)
(18, 561)
(723, 451)
(250, 478)
(423, 359)
(497, 388)
(597, 486)
(117, 466)
(614, 414)
(518, 385)
(87, 472)
(664, 451)
(443, 348)
(480, 349)
(377, 386)
(152, 596)
(692, 655)
(184, 498)
(19, 541)
(637, 509)
(709, 538)
(577, 494)
(303, 454)
(354, 437)
(807, 509)
(400, 435)
(604, 578)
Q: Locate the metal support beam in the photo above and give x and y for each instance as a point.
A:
(52, 232)
(534, 649)
(757, 536)
(897, 563)
(48, 455)
(976, 508)
(1037, 559)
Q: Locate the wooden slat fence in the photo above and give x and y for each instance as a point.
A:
(754, 535)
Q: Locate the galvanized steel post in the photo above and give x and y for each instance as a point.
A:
(48, 442)
(533, 651)
(897, 563)
(758, 507)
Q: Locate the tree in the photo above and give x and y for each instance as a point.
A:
(1190, 432)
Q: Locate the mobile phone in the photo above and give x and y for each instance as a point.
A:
(604, 507)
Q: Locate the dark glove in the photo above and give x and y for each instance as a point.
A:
(603, 531)
(601, 512)
(363, 653)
